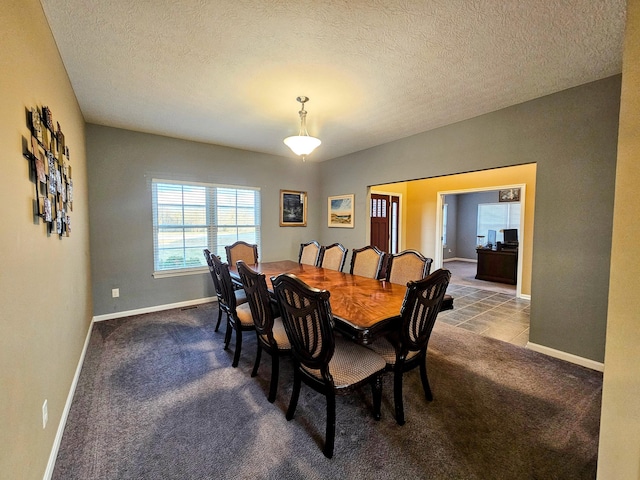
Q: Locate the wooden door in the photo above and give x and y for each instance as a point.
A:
(385, 222)
(380, 221)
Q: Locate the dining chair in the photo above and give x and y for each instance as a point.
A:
(239, 294)
(270, 332)
(239, 317)
(244, 251)
(247, 252)
(406, 347)
(332, 256)
(331, 365)
(309, 253)
(216, 286)
(406, 266)
(367, 262)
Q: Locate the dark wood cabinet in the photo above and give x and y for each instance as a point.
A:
(497, 266)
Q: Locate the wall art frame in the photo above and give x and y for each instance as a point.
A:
(293, 208)
(509, 195)
(340, 210)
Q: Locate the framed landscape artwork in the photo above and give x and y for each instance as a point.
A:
(340, 210)
(293, 208)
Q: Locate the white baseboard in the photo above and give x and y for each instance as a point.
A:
(157, 308)
(456, 259)
(569, 357)
(65, 412)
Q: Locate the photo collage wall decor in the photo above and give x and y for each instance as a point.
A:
(50, 171)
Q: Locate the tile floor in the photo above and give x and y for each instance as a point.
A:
(493, 314)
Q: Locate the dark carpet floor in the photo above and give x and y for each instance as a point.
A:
(158, 399)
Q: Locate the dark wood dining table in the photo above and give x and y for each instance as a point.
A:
(363, 308)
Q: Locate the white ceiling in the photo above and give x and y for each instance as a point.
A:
(228, 71)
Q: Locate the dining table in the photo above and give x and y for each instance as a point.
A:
(363, 308)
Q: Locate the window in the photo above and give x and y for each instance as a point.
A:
(395, 222)
(497, 216)
(189, 217)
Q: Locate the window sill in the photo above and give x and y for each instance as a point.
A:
(180, 273)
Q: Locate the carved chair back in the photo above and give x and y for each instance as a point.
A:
(367, 261)
(216, 285)
(333, 257)
(247, 252)
(307, 318)
(309, 253)
(406, 266)
(420, 308)
(255, 286)
(227, 297)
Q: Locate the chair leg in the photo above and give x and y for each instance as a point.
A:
(397, 394)
(295, 393)
(425, 380)
(331, 424)
(256, 364)
(236, 355)
(227, 333)
(275, 373)
(376, 389)
(219, 318)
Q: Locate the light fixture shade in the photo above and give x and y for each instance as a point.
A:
(302, 144)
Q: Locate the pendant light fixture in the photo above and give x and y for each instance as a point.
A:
(302, 144)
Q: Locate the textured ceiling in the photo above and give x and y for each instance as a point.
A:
(228, 71)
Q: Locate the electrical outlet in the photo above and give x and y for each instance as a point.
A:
(115, 292)
(45, 414)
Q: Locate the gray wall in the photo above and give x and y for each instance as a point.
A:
(120, 168)
(467, 239)
(572, 136)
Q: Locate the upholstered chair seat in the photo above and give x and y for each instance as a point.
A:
(385, 349)
(279, 335)
(351, 363)
(244, 314)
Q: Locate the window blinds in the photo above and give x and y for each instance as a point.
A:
(189, 217)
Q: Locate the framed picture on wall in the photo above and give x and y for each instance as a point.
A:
(340, 211)
(509, 195)
(40, 168)
(293, 208)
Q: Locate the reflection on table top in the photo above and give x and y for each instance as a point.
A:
(363, 307)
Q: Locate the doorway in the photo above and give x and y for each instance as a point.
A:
(441, 223)
(420, 218)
